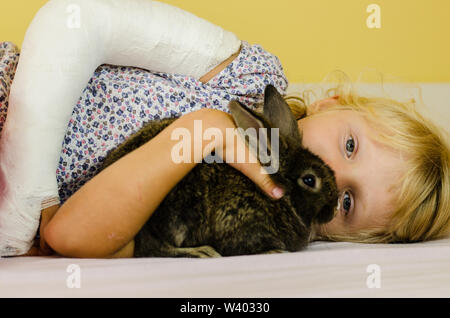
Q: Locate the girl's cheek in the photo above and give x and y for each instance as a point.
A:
(334, 226)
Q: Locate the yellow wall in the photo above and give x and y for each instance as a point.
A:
(313, 37)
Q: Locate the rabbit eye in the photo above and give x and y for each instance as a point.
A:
(309, 180)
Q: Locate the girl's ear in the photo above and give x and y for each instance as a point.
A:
(322, 104)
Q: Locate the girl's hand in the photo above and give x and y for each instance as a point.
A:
(251, 167)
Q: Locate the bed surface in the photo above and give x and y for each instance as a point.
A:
(324, 269)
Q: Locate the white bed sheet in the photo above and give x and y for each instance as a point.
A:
(325, 269)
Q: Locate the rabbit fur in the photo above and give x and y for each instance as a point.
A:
(215, 210)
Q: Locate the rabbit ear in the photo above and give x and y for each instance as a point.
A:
(278, 113)
(244, 118)
(249, 124)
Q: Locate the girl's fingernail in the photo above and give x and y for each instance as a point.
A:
(277, 193)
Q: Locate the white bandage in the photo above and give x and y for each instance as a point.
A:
(66, 41)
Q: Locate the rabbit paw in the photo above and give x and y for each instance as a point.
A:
(197, 252)
(276, 251)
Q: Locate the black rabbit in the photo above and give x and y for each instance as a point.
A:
(217, 211)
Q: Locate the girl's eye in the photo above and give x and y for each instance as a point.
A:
(346, 202)
(350, 146)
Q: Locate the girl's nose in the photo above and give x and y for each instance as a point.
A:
(343, 173)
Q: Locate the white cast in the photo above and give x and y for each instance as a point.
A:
(66, 41)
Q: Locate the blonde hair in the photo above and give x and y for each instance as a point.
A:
(422, 207)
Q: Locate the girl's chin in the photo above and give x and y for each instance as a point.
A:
(316, 231)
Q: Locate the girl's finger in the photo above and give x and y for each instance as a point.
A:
(254, 172)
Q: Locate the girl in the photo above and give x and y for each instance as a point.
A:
(391, 164)
(392, 167)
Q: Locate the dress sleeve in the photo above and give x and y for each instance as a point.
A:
(248, 75)
(9, 56)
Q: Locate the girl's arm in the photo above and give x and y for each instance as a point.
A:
(64, 44)
(108, 211)
(48, 213)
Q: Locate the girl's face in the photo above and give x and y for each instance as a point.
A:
(364, 169)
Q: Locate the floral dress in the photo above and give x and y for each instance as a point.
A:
(118, 100)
